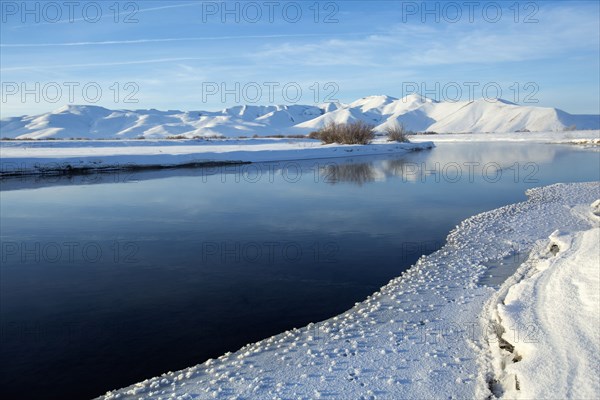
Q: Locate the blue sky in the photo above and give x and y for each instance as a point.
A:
(182, 54)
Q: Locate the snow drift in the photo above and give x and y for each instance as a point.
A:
(546, 317)
(415, 112)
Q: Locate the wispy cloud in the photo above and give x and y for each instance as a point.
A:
(108, 64)
(449, 44)
(186, 39)
(138, 11)
(171, 51)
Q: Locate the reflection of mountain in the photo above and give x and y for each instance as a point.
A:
(503, 153)
(415, 112)
(446, 162)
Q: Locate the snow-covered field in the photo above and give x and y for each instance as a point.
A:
(31, 157)
(415, 112)
(433, 332)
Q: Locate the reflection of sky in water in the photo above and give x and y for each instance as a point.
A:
(378, 218)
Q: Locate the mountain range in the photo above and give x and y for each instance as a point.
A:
(415, 112)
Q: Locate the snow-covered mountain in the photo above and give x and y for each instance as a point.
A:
(415, 112)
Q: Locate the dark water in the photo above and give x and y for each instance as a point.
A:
(110, 279)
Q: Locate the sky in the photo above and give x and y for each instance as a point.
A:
(194, 55)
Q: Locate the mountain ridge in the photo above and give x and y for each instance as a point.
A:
(416, 112)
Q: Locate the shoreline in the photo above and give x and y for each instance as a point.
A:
(421, 333)
(50, 158)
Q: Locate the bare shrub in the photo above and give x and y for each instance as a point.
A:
(397, 133)
(314, 135)
(352, 133)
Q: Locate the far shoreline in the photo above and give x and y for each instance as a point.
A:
(18, 159)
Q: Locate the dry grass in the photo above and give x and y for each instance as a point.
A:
(176, 137)
(294, 136)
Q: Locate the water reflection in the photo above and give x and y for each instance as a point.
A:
(448, 162)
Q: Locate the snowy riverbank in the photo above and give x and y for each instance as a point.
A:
(425, 334)
(554, 297)
(34, 157)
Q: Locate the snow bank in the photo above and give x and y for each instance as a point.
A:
(420, 336)
(554, 303)
(24, 157)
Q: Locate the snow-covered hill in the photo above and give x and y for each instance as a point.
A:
(415, 112)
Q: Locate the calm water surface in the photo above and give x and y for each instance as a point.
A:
(110, 279)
